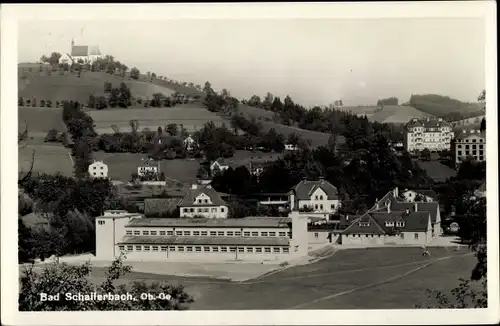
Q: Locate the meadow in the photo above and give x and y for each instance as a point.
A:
(374, 278)
(48, 159)
(389, 114)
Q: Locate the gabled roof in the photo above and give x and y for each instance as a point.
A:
(427, 123)
(414, 222)
(192, 194)
(220, 161)
(79, 50)
(466, 133)
(304, 189)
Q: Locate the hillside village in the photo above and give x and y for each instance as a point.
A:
(114, 161)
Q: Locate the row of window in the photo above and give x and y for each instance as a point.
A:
(146, 248)
(415, 235)
(211, 233)
(387, 224)
(94, 167)
(467, 146)
(474, 153)
(202, 210)
(316, 206)
(467, 140)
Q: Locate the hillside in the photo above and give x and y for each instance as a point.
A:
(443, 106)
(388, 114)
(58, 87)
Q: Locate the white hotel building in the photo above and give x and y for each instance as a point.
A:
(431, 133)
(199, 239)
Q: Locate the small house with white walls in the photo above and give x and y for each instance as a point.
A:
(65, 58)
(219, 165)
(256, 239)
(189, 143)
(423, 195)
(315, 198)
(146, 167)
(203, 201)
(291, 147)
(98, 170)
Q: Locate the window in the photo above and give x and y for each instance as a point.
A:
(220, 233)
(206, 201)
(230, 233)
(364, 224)
(416, 236)
(215, 249)
(180, 248)
(316, 197)
(237, 233)
(204, 233)
(285, 250)
(170, 232)
(185, 210)
(249, 249)
(162, 232)
(263, 234)
(171, 248)
(191, 210)
(232, 249)
(222, 210)
(246, 234)
(389, 223)
(402, 235)
(121, 247)
(316, 206)
(282, 234)
(153, 232)
(189, 249)
(102, 222)
(276, 250)
(213, 233)
(206, 249)
(258, 249)
(138, 248)
(130, 248)
(163, 248)
(267, 250)
(155, 248)
(460, 153)
(145, 232)
(214, 210)
(223, 249)
(321, 206)
(94, 167)
(241, 249)
(400, 224)
(321, 197)
(129, 232)
(196, 232)
(178, 233)
(366, 235)
(255, 234)
(198, 249)
(146, 248)
(102, 173)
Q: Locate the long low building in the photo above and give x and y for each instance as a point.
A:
(194, 239)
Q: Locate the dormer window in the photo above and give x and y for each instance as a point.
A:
(364, 224)
(389, 223)
(321, 197)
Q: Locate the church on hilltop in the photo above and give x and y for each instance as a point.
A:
(81, 54)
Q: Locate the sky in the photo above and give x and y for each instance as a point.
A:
(315, 61)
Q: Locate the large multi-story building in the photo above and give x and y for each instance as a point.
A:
(98, 170)
(469, 143)
(187, 239)
(431, 133)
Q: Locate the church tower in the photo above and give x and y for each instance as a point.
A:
(72, 44)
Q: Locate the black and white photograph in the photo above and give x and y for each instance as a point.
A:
(264, 163)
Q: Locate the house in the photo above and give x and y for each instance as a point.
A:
(219, 165)
(469, 143)
(427, 133)
(393, 221)
(147, 167)
(98, 170)
(65, 58)
(186, 239)
(189, 143)
(203, 201)
(425, 195)
(315, 198)
(291, 147)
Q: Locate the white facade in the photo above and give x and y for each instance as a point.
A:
(218, 166)
(410, 195)
(470, 143)
(291, 147)
(428, 133)
(98, 170)
(318, 203)
(65, 59)
(143, 239)
(189, 143)
(146, 169)
(203, 204)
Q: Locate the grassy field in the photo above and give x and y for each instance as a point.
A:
(377, 278)
(48, 159)
(316, 138)
(436, 170)
(58, 87)
(191, 116)
(40, 120)
(389, 114)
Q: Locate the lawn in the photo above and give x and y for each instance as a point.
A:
(191, 116)
(389, 114)
(48, 159)
(58, 87)
(40, 120)
(375, 278)
(436, 170)
(316, 138)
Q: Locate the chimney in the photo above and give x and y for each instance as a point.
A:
(396, 192)
(407, 211)
(376, 203)
(389, 207)
(347, 217)
(194, 186)
(416, 207)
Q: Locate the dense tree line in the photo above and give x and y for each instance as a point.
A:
(388, 101)
(438, 105)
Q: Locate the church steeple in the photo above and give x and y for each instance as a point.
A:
(72, 44)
